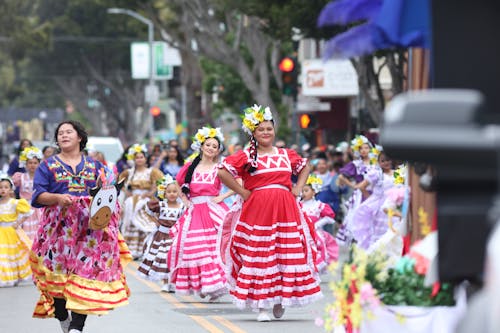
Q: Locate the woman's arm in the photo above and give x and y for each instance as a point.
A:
(51, 199)
(228, 180)
(301, 180)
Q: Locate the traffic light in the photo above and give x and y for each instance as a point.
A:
(289, 75)
(155, 111)
(307, 121)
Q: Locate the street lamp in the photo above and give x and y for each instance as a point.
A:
(150, 25)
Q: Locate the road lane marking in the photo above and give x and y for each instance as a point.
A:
(206, 324)
(228, 324)
(177, 304)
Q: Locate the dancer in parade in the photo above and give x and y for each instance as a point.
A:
(320, 214)
(166, 211)
(29, 159)
(140, 187)
(14, 253)
(77, 253)
(193, 259)
(270, 263)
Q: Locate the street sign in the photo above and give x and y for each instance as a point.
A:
(151, 93)
(164, 58)
(311, 104)
(162, 70)
(139, 56)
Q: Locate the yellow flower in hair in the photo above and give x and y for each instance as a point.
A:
(248, 124)
(259, 116)
(315, 182)
(137, 149)
(212, 133)
(375, 151)
(200, 137)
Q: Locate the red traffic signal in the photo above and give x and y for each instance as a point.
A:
(304, 121)
(287, 65)
(155, 111)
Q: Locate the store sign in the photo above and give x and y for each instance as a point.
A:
(333, 78)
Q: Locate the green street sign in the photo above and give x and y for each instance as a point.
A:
(161, 70)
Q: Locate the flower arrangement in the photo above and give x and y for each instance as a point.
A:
(28, 153)
(400, 174)
(368, 282)
(161, 185)
(315, 182)
(253, 116)
(205, 133)
(134, 149)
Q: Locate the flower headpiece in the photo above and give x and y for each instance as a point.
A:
(254, 116)
(315, 182)
(28, 153)
(161, 185)
(400, 175)
(136, 148)
(206, 133)
(358, 141)
(4, 176)
(374, 153)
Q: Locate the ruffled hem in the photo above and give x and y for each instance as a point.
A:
(213, 291)
(82, 295)
(5, 284)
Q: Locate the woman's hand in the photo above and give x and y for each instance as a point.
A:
(246, 194)
(217, 199)
(64, 200)
(296, 191)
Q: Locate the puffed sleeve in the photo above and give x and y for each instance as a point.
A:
(16, 179)
(23, 206)
(41, 183)
(326, 211)
(182, 174)
(156, 175)
(372, 174)
(235, 163)
(349, 170)
(297, 162)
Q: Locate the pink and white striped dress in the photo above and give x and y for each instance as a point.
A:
(193, 260)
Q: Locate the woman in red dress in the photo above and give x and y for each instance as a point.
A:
(270, 262)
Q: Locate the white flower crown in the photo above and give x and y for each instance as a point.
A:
(28, 153)
(136, 148)
(254, 116)
(315, 182)
(162, 184)
(206, 133)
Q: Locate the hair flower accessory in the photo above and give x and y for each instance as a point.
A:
(358, 141)
(315, 182)
(206, 133)
(28, 153)
(254, 116)
(136, 148)
(161, 186)
(400, 175)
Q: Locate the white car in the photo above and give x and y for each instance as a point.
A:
(111, 147)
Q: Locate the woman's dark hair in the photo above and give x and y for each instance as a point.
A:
(189, 174)
(190, 170)
(20, 147)
(179, 158)
(82, 133)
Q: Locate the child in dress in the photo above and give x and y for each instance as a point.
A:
(320, 214)
(165, 211)
(29, 159)
(14, 253)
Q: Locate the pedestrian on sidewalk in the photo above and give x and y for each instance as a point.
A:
(193, 258)
(76, 262)
(165, 210)
(270, 262)
(14, 253)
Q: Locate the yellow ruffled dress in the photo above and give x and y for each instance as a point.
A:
(14, 253)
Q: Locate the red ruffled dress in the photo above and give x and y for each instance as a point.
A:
(193, 260)
(270, 259)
